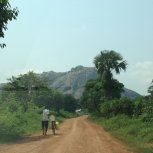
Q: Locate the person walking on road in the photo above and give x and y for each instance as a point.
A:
(45, 119)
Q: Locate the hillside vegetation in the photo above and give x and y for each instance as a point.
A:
(22, 100)
(130, 120)
(74, 81)
(128, 117)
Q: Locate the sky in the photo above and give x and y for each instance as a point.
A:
(58, 35)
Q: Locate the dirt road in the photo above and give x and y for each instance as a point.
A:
(76, 135)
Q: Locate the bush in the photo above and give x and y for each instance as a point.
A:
(113, 107)
(148, 112)
(66, 114)
(15, 125)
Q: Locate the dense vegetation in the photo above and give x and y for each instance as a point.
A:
(22, 100)
(129, 119)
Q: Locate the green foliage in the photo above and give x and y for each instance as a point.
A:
(30, 88)
(21, 103)
(65, 114)
(6, 14)
(129, 120)
(150, 90)
(148, 112)
(105, 88)
(139, 104)
(25, 87)
(106, 62)
(14, 123)
(70, 103)
(92, 95)
(133, 131)
(117, 89)
(27, 82)
(119, 106)
(58, 101)
(43, 98)
(109, 60)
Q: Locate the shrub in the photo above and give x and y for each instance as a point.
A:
(119, 106)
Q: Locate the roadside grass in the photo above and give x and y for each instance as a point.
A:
(62, 115)
(135, 133)
(15, 126)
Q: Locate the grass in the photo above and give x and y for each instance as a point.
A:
(14, 126)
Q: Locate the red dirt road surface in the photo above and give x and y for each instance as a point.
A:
(77, 135)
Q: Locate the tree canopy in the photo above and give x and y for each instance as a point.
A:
(107, 62)
(150, 90)
(6, 14)
(105, 88)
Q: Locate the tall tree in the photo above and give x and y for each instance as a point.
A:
(6, 14)
(106, 62)
(58, 101)
(92, 95)
(150, 90)
(70, 103)
(25, 87)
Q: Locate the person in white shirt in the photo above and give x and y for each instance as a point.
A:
(45, 119)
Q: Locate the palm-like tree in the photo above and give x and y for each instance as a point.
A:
(106, 62)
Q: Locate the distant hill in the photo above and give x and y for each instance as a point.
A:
(73, 81)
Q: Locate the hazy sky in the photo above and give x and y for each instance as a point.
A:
(60, 34)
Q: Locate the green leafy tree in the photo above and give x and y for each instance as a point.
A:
(105, 88)
(70, 103)
(150, 90)
(107, 62)
(148, 106)
(43, 98)
(25, 87)
(58, 101)
(26, 82)
(6, 14)
(117, 106)
(92, 95)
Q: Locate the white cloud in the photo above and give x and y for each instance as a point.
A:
(143, 71)
(137, 77)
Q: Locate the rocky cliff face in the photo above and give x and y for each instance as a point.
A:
(73, 81)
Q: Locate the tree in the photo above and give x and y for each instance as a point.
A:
(70, 103)
(106, 62)
(150, 90)
(92, 95)
(26, 82)
(117, 106)
(25, 87)
(6, 14)
(58, 101)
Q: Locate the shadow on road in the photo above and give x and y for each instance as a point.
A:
(32, 138)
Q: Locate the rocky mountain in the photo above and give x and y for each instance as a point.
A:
(73, 81)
